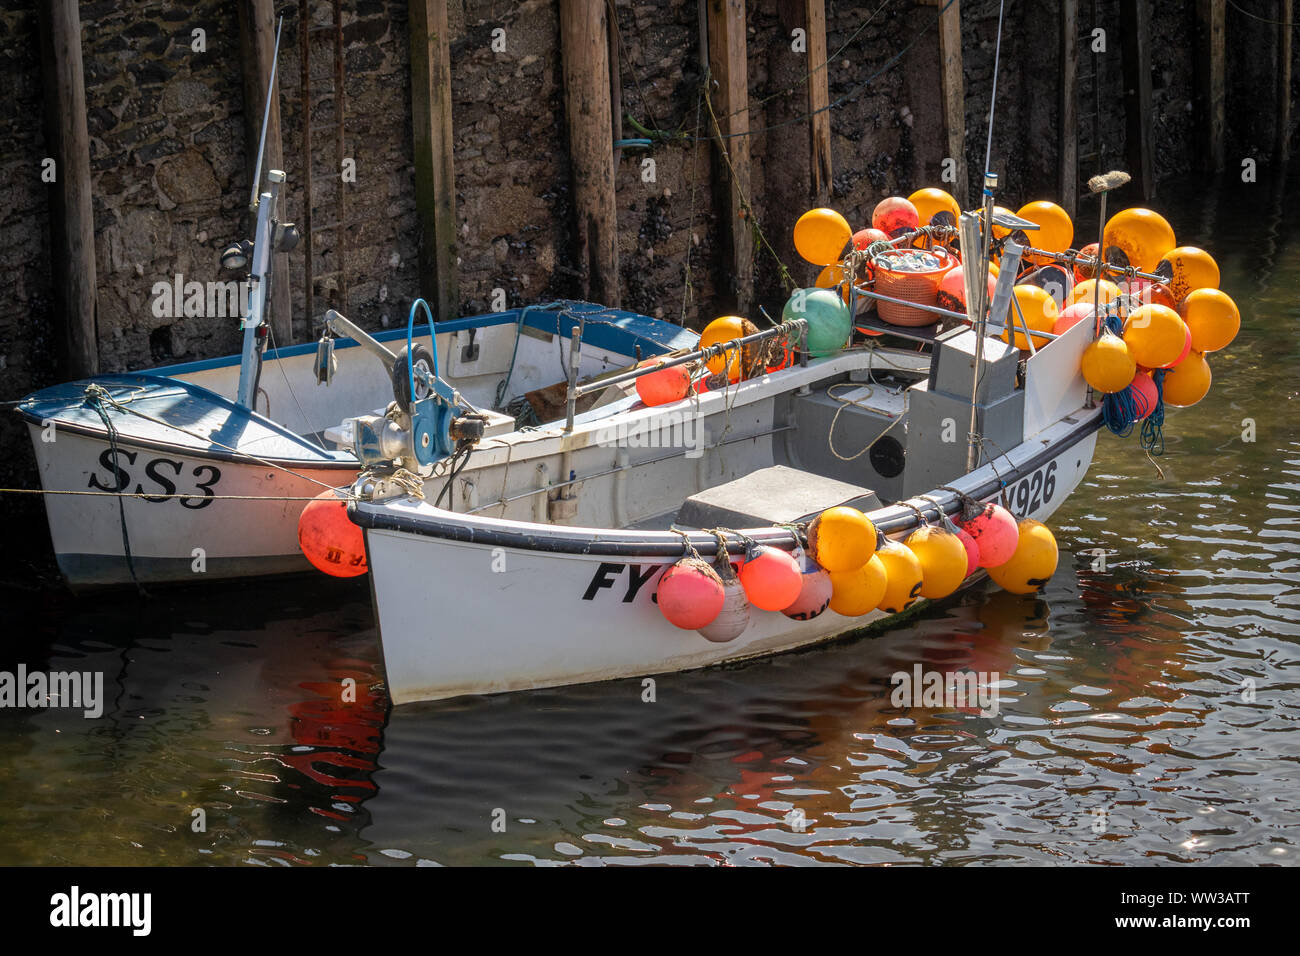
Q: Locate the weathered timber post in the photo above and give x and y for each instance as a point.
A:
(435, 171)
(1068, 155)
(819, 98)
(1211, 78)
(1136, 20)
(585, 55)
(257, 50)
(953, 92)
(72, 227)
(1282, 149)
(729, 96)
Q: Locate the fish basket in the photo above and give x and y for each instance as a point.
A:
(921, 287)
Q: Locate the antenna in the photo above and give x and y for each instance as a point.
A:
(266, 117)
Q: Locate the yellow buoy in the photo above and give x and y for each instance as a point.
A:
(929, 201)
(857, 592)
(1155, 336)
(1187, 382)
(1212, 317)
(1055, 232)
(1040, 312)
(1143, 236)
(905, 577)
(943, 560)
(1083, 292)
(841, 539)
(820, 236)
(1033, 563)
(739, 361)
(1190, 269)
(1108, 366)
(830, 276)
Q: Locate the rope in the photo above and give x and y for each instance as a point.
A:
(95, 398)
(1152, 436)
(845, 403)
(1256, 16)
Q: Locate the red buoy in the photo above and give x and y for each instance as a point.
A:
(995, 533)
(664, 386)
(772, 578)
(329, 539)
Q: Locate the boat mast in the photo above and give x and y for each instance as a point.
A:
(260, 274)
(979, 302)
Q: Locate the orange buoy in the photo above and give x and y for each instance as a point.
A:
(820, 236)
(943, 560)
(664, 386)
(771, 578)
(1187, 382)
(1212, 317)
(1040, 313)
(1155, 336)
(994, 531)
(1055, 232)
(904, 577)
(841, 539)
(1033, 562)
(1190, 269)
(1107, 364)
(1083, 291)
(814, 590)
(1138, 237)
(725, 329)
(690, 594)
(857, 592)
(1000, 232)
(930, 201)
(328, 538)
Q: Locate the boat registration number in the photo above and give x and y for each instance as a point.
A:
(164, 474)
(1033, 491)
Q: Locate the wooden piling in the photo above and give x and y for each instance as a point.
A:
(1068, 153)
(953, 93)
(819, 98)
(257, 49)
(435, 171)
(1136, 31)
(1211, 78)
(72, 227)
(585, 55)
(729, 95)
(1282, 149)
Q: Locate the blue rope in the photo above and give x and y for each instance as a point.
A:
(1153, 434)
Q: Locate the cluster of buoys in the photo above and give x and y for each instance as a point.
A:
(851, 569)
(1167, 328)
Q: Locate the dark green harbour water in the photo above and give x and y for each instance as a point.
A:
(1127, 731)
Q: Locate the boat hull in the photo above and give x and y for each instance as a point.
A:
(478, 606)
(242, 519)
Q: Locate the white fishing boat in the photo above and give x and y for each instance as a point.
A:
(512, 580)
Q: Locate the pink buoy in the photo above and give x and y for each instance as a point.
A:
(1145, 395)
(995, 534)
(814, 591)
(972, 551)
(865, 237)
(1071, 316)
(771, 578)
(690, 594)
(895, 216)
